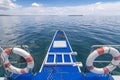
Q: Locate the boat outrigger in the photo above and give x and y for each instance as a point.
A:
(60, 63)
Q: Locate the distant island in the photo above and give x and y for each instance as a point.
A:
(35, 15)
(4, 15)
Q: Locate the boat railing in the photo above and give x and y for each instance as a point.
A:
(13, 61)
(98, 46)
(1, 58)
(105, 59)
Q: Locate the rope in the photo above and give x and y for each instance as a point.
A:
(51, 75)
(118, 65)
(1, 57)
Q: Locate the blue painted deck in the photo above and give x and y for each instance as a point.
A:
(57, 38)
(61, 71)
(52, 69)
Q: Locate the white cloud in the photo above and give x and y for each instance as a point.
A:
(97, 3)
(36, 5)
(99, 8)
(7, 4)
(14, 0)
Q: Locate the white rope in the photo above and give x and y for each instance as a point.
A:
(1, 57)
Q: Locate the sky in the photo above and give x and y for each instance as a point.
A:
(60, 7)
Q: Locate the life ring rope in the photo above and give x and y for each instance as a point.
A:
(100, 51)
(8, 66)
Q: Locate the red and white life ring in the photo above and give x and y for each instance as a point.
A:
(100, 51)
(24, 54)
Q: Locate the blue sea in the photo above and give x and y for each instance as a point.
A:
(38, 31)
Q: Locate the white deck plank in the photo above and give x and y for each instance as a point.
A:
(59, 44)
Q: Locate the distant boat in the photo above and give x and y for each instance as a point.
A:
(75, 15)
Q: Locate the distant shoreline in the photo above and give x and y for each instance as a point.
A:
(5, 15)
(37, 15)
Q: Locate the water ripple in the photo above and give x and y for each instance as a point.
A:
(37, 33)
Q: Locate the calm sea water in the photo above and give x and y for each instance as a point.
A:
(37, 32)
